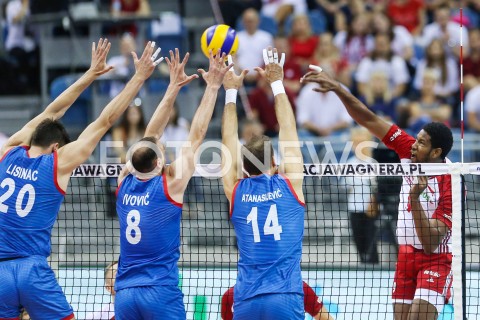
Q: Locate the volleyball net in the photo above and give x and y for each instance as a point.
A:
(349, 247)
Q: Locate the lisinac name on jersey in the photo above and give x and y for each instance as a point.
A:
(30, 199)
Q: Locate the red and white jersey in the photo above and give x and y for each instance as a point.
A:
(436, 200)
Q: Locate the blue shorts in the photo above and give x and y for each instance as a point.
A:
(31, 283)
(154, 302)
(278, 306)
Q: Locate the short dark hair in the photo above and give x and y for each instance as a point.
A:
(49, 131)
(260, 147)
(144, 158)
(440, 137)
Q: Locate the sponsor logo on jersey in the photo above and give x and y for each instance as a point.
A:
(396, 134)
(432, 273)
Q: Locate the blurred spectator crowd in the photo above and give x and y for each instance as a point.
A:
(400, 57)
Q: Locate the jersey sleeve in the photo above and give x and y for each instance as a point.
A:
(311, 301)
(227, 303)
(443, 212)
(399, 141)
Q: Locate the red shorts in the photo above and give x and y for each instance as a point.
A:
(422, 274)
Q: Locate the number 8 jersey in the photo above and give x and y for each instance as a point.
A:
(149, 233)
(268, 219)
(29, 202)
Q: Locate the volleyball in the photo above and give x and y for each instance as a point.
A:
(217, 37)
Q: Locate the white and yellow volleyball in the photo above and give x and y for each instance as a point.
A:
(221, 37)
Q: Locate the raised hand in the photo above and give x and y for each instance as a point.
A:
(100, 51)
(145, 66)
(418, 187)
(231, 80)
(216, 71)
(178, 77)
(326, 82)
(273, 67)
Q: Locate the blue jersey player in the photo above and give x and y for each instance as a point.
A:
(149, 205)
(266, 207)
(35, 169)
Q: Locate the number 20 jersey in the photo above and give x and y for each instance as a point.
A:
(268, 219)
(149, 233)
(29, 202)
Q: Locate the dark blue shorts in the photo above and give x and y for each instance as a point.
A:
(155, 302)
(278, 306)
(31, 283)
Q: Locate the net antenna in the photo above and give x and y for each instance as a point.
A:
(462, 127)
(458, 261)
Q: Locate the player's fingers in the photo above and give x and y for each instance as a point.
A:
(177, 55)
(168, 61)
(265, 57)
(106, 50)
(282, 60)
(275, 55)
(210, 56)
(189, 79)
(230, 66)
(185, 59)
(172, 57)
(93, 49)
(315, 68)
(260, 71)
(221, 58)
(107, 69)
(105, 44)
(99, 44)
(311, 76)
(156, 63)
(135, 57)
(154, 56)
(244, 73)
(145, 50)
(230, 61)
(202, 72)
(270, 55)
(322, 90)
(148, 50)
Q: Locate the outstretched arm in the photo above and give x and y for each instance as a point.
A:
(182, 169)
(230, 142)
(60, 105)
(178, 79)
(75, 153)
(357, 110)
(292, 160)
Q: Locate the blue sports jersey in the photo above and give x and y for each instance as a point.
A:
(149, 234)
(268, 220)
(29, 202)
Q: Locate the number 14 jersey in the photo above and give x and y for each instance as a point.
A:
(268, 219)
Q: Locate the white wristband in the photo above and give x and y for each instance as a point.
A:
(231, 96)
(277, 87)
